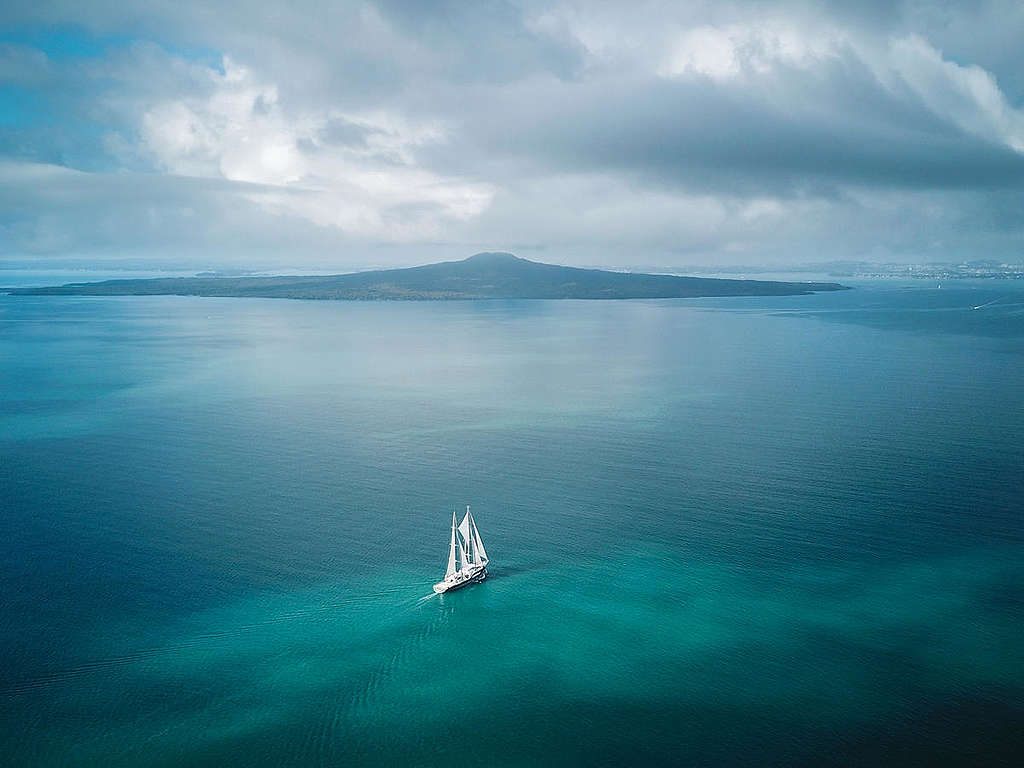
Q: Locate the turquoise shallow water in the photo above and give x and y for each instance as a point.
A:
(775, 531)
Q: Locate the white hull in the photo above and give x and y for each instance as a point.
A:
(461, 579)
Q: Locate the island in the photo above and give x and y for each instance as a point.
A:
(483, 276)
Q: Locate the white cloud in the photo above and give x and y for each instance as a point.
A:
(966, 95)
(371, 185)
(732, 50)
(705, 51)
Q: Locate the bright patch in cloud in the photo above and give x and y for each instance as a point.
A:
(359, 168)
(732, 50)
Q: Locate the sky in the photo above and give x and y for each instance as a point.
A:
(335, 135)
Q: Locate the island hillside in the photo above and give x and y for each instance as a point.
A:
(483, 276)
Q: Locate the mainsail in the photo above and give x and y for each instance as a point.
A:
(471, 536)
(467, 535)
(479, 552)
(463, 560)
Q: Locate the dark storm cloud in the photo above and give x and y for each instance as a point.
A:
(832, 127)
(341, 131)
(484, 41)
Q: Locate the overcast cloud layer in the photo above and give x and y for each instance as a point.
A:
(343, 134)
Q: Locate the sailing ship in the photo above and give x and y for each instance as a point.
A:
(467, 558)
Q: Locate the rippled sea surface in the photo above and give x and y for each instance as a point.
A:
(780, 531)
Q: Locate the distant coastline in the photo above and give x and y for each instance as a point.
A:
(482, 276)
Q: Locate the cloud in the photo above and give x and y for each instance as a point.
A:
(966, 95)
(716, 131)
(372, 186)
(50, 209)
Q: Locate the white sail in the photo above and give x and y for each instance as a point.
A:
(462, 553)
(478, 545)
(451, 553)
(464, 529)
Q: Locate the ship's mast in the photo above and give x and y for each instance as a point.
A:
(466, 540)
(462, 555)
(451, 552)
(474, 555)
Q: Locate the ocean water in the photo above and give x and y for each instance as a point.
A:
(780, 531)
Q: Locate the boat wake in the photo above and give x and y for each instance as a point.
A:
(987, 303)
(201, 642)
(358, 696)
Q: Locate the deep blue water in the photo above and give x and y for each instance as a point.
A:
(781, 531)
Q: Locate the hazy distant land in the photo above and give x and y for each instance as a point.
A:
(483, 276)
